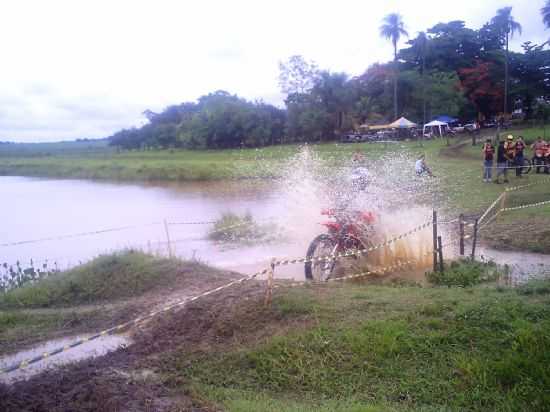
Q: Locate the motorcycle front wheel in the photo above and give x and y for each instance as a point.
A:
(322, 245)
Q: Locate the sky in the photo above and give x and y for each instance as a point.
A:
(86, 69)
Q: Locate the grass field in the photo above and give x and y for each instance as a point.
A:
(387, 349)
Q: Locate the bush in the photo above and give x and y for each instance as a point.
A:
(233, 228)
(464, 273)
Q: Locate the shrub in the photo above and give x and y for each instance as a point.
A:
(464, 273)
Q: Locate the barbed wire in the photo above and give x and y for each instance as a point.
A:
(349, 253)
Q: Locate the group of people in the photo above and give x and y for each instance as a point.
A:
(510, 155)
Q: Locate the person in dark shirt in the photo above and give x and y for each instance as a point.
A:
(488, 152)
(518, 158)
(501, 163)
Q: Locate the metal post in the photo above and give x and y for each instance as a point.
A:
(461, 233)
(269, 289)
(168, 238)
(434, 225)
(440, 250)
(475, 240)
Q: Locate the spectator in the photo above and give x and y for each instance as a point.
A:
(488, 153)
(501, 163)
(421, 167)
(539, 148)
(509, 151)
(518, 156)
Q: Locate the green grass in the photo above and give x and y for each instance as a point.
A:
(105, 278)
(384, 348)
(465, 273)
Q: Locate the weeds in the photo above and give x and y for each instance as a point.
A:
(464, 273)
(234, 228)
(13, 277)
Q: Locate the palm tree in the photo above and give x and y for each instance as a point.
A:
(422, 47)
(545, 11)
(393, 28)
(508, 27)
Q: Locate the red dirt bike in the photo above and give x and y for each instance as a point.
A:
(346, 231)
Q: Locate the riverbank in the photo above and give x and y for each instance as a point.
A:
(333, 347)
(109, 290)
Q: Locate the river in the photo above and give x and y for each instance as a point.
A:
(39, 217)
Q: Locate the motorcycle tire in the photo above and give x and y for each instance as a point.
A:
(320, 271)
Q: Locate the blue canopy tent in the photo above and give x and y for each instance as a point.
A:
(446, 119)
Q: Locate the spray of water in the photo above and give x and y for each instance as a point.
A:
(399, 199)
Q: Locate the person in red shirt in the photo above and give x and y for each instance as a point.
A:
(547, 159)
(539, 148)
(488, 154)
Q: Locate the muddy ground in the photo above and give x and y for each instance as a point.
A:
(82, 319)
(135, 378)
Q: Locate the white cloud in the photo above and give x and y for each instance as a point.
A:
(75, 68)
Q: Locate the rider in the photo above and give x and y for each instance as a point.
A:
(421, 167)
(359, 173)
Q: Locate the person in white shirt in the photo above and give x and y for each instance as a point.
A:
(420, 167)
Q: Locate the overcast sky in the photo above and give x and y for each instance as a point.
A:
(85, 69)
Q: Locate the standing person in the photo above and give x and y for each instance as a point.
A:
(539, 148)
(488, 153)
(510, 151)
(518, 158)
(501, 163)
(547, 158)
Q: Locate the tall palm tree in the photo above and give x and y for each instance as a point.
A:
(422, 47)
(545, 11)
(506, 24)
(393, 28)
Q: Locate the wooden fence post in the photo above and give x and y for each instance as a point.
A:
(269, 288)
(474, 240)
(461, 232)
(434, 225)
(440, 250)
(168, 238)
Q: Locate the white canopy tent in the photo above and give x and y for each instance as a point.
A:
(435, 123)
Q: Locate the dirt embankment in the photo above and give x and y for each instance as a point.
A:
(131, 378)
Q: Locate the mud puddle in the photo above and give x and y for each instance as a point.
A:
(522, 266)
(87, 350)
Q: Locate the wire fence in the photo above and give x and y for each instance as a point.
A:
(496, 208)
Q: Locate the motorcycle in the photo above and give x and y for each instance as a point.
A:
(347, 230)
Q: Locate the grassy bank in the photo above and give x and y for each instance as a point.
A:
(332, 347)
(382, 348)
(104, 279)
(107, 290)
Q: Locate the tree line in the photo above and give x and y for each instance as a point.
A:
(449, 69)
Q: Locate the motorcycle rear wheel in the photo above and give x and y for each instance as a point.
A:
(322, 245)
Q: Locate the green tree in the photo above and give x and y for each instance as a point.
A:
(392, 29)
(545, 11)
(507, 27)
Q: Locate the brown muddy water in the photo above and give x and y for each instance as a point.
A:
(41, 215)
(87, 350)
